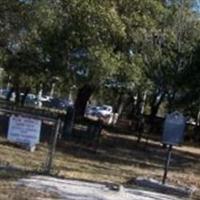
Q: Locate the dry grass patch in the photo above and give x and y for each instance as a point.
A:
(119, 159)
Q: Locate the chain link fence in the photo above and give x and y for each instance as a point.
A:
(56, 126)
(17, 156)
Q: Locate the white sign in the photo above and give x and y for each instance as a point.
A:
(24, 130)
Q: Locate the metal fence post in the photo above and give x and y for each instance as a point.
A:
(52, 148)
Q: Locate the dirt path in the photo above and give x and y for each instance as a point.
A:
(79, 190)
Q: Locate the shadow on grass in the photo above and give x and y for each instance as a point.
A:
(114, 149)
(12, 173)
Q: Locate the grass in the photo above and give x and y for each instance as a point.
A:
(119, 159)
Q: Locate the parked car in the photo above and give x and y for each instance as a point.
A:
(99, 111)
(31, 96)
(45, 98)
(60, 103)
(92, 110)
(32, 100)
(105, 111)
(5, 92)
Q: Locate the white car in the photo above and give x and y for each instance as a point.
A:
(45, 98)
(98, 111)
(105, 110)
(31, 96)
(92, 111)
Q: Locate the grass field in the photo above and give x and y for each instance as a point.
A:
(119, 159)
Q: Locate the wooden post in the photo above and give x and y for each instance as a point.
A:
(52, 148)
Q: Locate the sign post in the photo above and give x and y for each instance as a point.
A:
(167, 162)
(173, 134)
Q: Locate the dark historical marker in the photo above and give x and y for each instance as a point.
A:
(173, 134)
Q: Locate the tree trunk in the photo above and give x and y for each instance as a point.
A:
(52, 89)
(171, 98)
(68, 123)
(198, 118)
(143, 102)
(196, 130)
(121, 103)
(116, 102)
(9, 95)
(84, 94)
(134, 108)
(120, 108)
(39, 95)
(138, 104)
(26, 92)
(17, 93)
(9, 83)
(154, 110)
(156, 104)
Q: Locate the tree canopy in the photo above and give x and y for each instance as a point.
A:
(149, 44)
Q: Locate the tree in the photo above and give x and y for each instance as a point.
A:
(189, 96)
(138, 17)
(168, 51)
(13, 21)
(89, 43)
